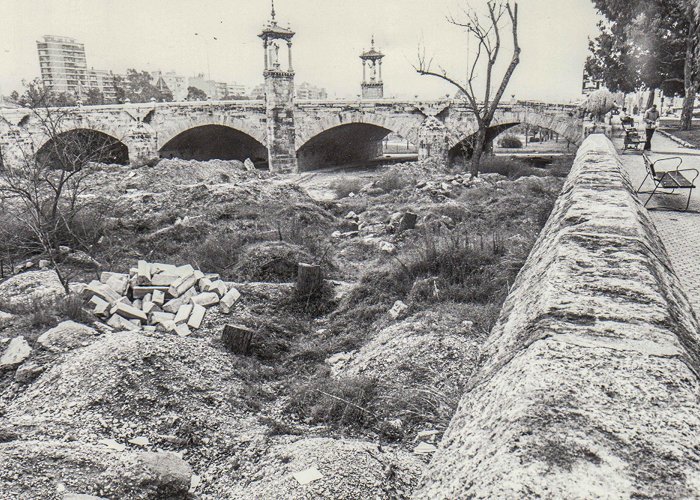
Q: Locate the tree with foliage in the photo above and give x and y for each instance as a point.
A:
(196, 94)
(138, 87)
(40, 204)
(648, 44)
(34, 91)
(93, 97)
(487, 31)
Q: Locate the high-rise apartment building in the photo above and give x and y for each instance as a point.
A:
(62, 63)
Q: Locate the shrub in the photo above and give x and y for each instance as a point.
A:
(509, 167)
(394, 180)
(340, 403)
(510, 141)
(343, 187)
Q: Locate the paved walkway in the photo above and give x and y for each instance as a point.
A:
(680, 231)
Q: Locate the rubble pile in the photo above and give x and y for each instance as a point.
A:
(448, 185)
(156, 296)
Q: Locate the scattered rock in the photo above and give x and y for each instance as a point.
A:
(27, 372)
(66, 336)
(15, 354)
(5, 319)
(398, 310)
(22, 290)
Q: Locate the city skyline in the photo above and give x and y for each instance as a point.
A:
(227, 45)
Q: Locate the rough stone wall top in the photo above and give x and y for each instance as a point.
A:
(588, 385)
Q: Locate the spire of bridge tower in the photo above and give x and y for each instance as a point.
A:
(372, 88)
(273, 11)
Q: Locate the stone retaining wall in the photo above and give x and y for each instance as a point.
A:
(588, 386)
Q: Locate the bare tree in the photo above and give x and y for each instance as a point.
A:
(487, 31)
(41, 207)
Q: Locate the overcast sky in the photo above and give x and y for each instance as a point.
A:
(159, 35)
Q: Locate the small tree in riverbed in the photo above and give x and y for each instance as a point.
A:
(487, 31)
(40, 203)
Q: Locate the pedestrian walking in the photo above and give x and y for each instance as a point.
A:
(651, 118)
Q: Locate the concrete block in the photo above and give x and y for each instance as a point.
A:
(173, 305)
(157, 267)
(158, 297)
(229, 301)
(129, 312)
(140, 291)
(161, 317)
(102, 291)
(182, 330)
(219, 287)
(101, 306)
(143, 273)
(161, 279)
(182, 284)
(149, 328)
(121, 324)
(197, 316)
(185, 270)
(206, 299)
(183, 313)
(148, 307)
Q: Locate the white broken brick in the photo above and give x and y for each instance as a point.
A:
(185, 270)
(158, 297)
(143, 273)
(182, 284)
(138, 304)
(129, 312)
(206, 299)
(157, 267)
(183, 313)
(205, 284)
(148, 307)
(119, 323)
(197, 316)
(161, 317)
(149, 328)
(182, 330)
(101, 306)
(219, 287)
(140, 291)
(229, 300)
(173, 305)
(102, 291)
(398, 309)
(163, 279)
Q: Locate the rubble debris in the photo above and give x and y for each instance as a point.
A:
(398, 310)
(307, 476)
(156, 296)
(424, 449)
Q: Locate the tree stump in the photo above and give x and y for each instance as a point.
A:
(408, 221)
(309, 279)
(237, 338)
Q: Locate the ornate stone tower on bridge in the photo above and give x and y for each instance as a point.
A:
(279, 97)
(374, 87)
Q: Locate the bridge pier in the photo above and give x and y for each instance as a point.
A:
(281, 131)
(142, 143)
(16, 147)
(433, 141)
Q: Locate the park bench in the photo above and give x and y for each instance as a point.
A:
(668, 179)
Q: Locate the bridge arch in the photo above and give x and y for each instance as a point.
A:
(77, 146)
(167, 128)
(342, 145)
(464, 133)
(214, 141)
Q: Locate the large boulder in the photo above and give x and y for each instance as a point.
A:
(345, 468)
(25, 289)
(66, 336)
(15, 354)
(44, 469)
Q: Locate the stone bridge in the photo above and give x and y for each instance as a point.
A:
(288, 136)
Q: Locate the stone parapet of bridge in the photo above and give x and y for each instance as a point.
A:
(306, 129)
(588, 386)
